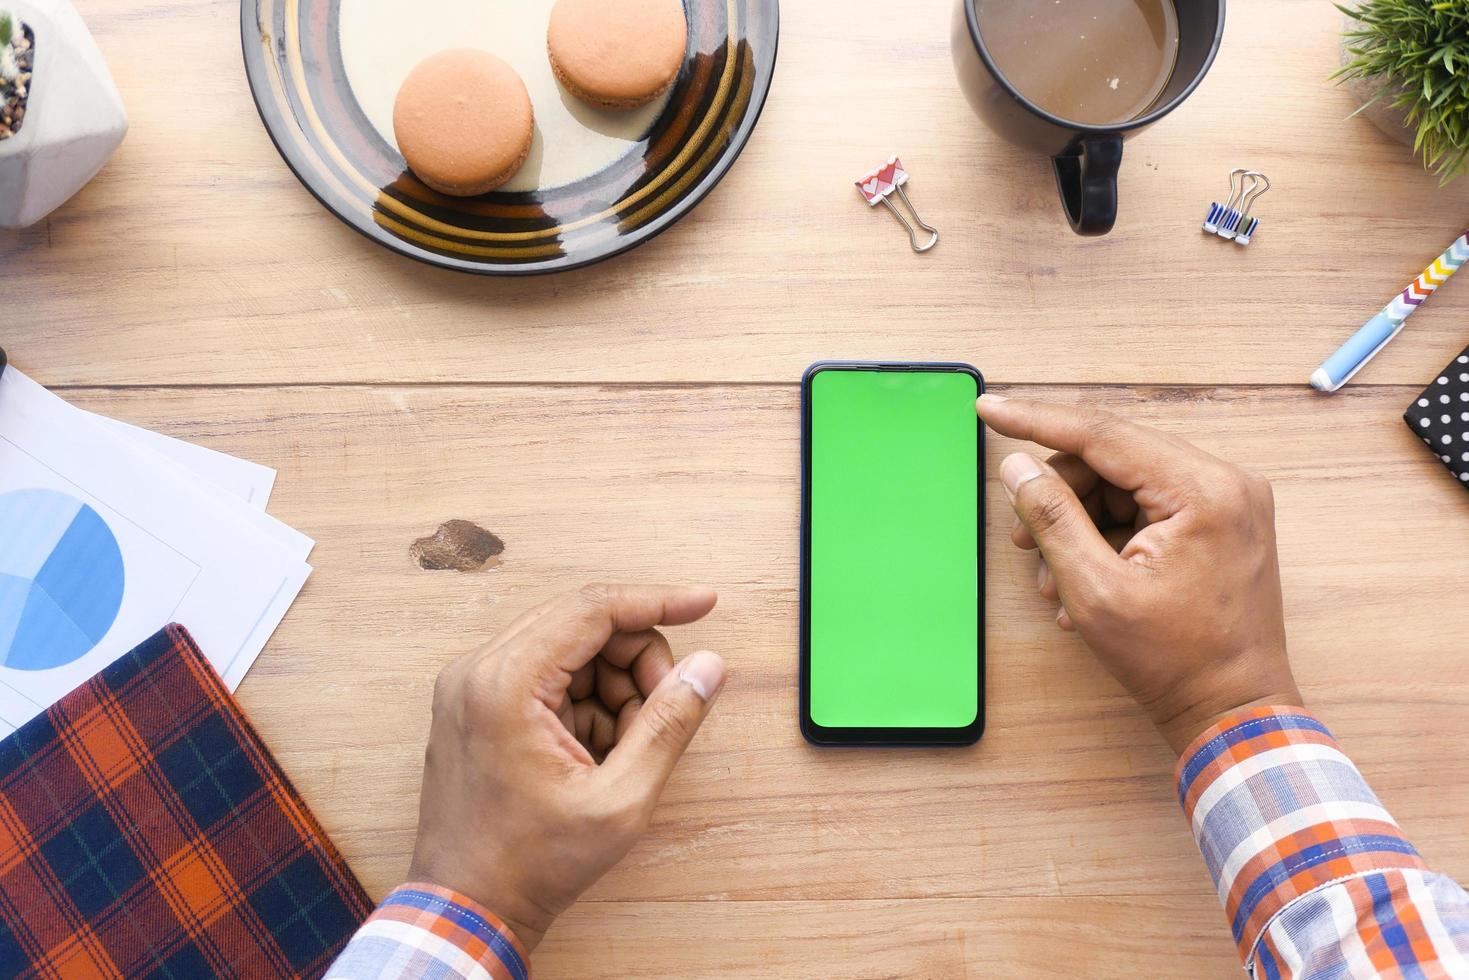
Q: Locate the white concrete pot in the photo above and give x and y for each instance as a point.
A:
(74, 117)
(1375, 94)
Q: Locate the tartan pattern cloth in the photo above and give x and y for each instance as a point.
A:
(146, 832)
(1316, 878)
(422, 930)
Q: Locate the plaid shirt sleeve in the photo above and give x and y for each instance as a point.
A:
(424, 931)
(1316, 878)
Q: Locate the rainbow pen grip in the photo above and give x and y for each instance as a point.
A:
(1374, 335)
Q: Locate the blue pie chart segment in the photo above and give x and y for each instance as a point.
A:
(61, 579)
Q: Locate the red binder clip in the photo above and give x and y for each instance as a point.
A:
(876, 185)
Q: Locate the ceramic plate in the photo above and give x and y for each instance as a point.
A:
(596, 184)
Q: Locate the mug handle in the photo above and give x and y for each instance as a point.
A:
(1086, 176)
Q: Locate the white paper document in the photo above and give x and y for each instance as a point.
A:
(105, 538)
(241, 478)
(221, 473)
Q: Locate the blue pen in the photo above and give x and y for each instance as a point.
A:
(1374, 335)
(1352, 356)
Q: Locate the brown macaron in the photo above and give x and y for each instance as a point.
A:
(463, 121)
(617, 54)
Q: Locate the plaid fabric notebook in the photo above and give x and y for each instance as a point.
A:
(145, 831)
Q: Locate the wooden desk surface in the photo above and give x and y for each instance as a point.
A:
(638, 421)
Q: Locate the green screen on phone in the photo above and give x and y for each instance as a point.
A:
(894, 549)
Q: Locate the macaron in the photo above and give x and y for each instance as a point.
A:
(617, 54)
(463, 121)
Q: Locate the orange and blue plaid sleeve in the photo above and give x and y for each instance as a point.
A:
(1316, 878)
(422, 930)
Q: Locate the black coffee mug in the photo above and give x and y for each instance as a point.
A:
(1085, 157)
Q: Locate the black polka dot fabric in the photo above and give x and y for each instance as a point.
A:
(1440, 417)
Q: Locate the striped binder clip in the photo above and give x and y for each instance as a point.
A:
(1232, 219)
(1245, 228)
(1221, 213)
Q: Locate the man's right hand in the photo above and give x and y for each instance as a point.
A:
(550, 746)
(1160, 555)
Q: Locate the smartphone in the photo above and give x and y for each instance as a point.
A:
(892, 556)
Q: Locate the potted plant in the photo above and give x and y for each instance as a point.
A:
(60, 114)
(1409, 62)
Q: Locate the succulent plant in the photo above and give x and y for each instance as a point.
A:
(17, 55)
(1419, 51)
(9, 70)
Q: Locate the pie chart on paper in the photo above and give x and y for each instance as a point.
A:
(61, 579)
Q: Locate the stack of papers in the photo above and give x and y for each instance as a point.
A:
(109, 532)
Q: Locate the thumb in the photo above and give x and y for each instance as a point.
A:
(1073, 547)
(665, 725)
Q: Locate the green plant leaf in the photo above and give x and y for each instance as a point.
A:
(1419, 49)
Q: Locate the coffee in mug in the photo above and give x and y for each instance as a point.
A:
(1075, 78)
(1098, 62)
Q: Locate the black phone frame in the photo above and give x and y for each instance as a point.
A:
(824, 736)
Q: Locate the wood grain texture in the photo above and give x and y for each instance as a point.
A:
(1064, 813)
(638, 421)
(960, 938)
(197, 215)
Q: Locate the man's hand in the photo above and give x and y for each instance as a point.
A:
(1160, 555)
(550, 746)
